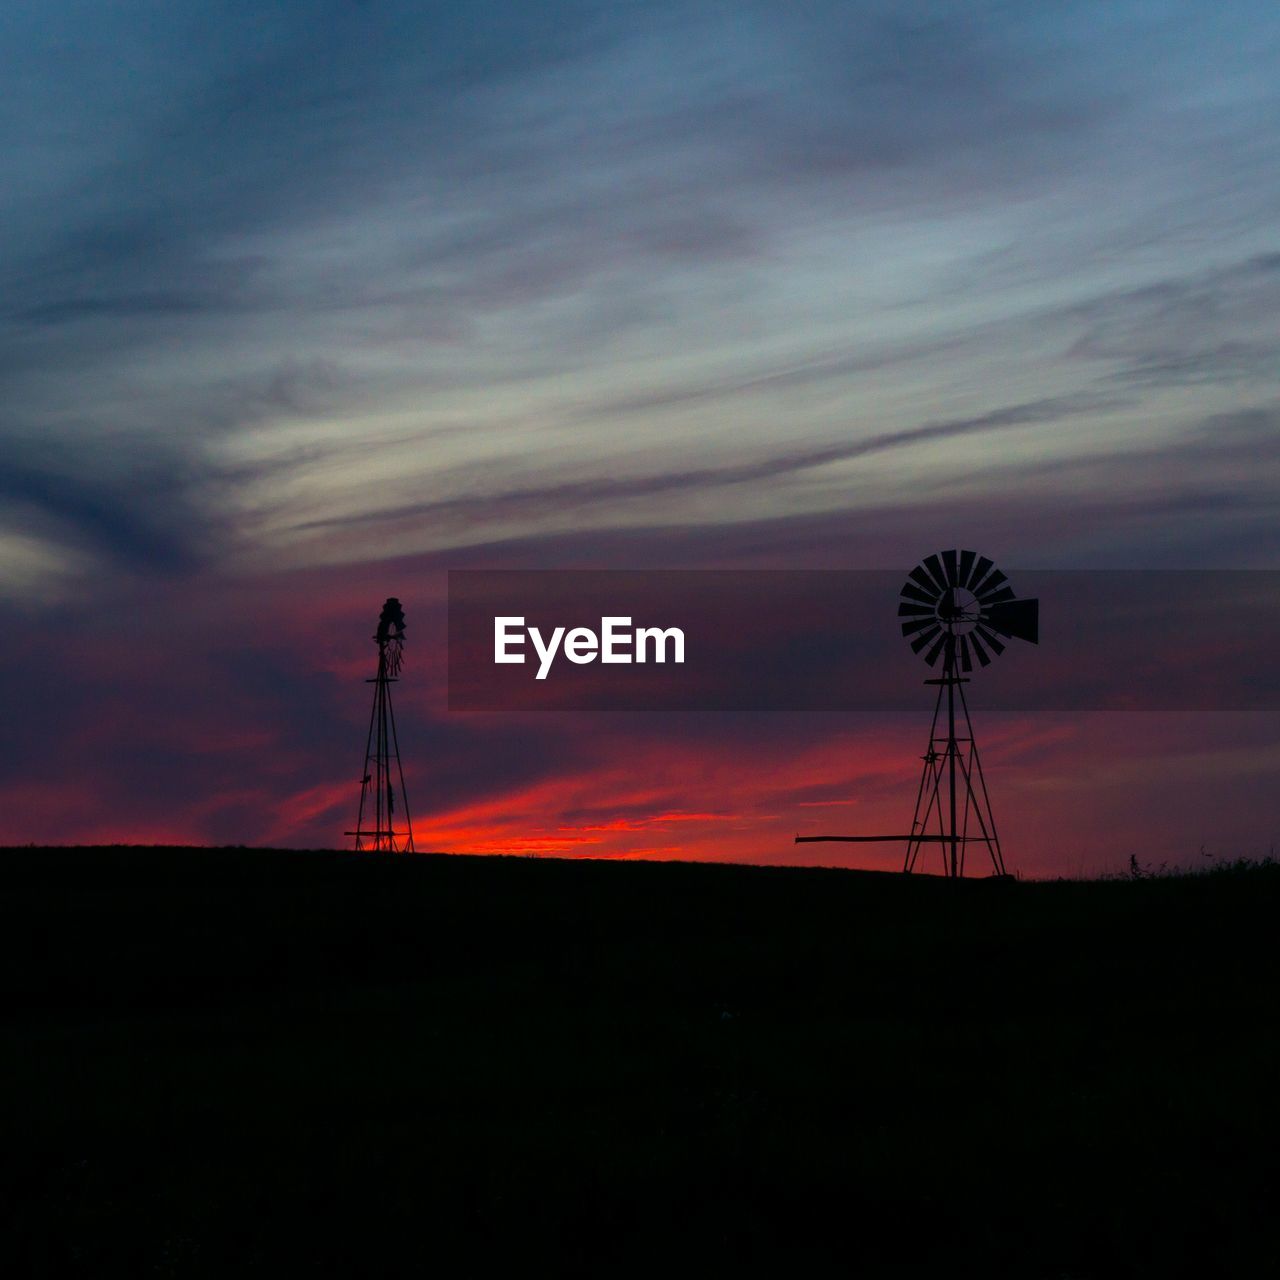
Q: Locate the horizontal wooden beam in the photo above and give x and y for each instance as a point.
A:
(883, 839)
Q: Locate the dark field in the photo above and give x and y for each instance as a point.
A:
(236, 1062)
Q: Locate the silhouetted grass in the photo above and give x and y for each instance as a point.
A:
(240, 1061)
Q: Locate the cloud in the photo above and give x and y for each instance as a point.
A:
(559, 498)
(141, 516)
(517, 155)
(461, 209)
(1215, 326)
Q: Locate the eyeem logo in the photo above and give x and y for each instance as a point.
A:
(614, 643)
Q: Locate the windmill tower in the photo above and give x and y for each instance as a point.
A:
(383, 777)
(955, 606)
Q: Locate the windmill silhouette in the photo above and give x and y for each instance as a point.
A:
(955, 606)
(383, 775)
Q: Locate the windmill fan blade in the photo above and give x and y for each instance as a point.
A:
(992, 643)
(980, 571)
(983, 657)
(911, 592)
(921, 640)
(934, 565)
(949, 563)
(966, 567)
(932, 588)
(965, 663)
(991, 583)
(932, 656)
(994, 597)
(1017, 618)
(910, 628)
(916, 610)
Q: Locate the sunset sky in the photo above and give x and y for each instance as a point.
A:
(306, 304)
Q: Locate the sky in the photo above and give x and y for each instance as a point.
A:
(306, 304)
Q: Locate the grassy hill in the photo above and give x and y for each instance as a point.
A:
(235, 1061)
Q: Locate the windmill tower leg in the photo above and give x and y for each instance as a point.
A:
(406, 843)
(367, 779)
(978, 796)
(928, 795)
(951, 758)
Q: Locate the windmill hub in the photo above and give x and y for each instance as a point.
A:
(958, 610)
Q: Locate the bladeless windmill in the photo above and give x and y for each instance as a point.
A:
(955, 606)
(383, 776)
